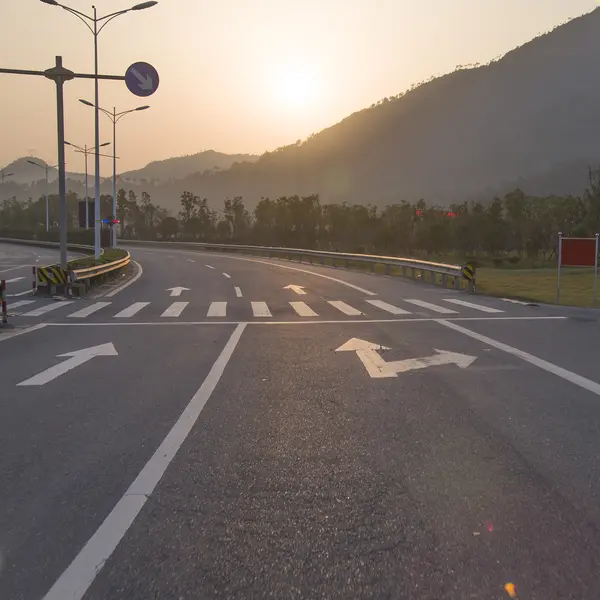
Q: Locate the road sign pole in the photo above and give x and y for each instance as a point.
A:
(97, 250)
(113, 230)
(559, 261)
(596, 271)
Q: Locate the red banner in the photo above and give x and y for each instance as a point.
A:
(578, 252)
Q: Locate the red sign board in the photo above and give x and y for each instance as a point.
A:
(578, 252)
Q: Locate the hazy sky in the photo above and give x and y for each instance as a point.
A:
(242, 75)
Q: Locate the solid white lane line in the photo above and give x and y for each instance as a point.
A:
(20, 294)
(139, 273)
(42, 310)
(191, 260)
(131, 310)
(15, 333)
(79, 575)
(303, 309)
(15, 268)
(485, 309)
(434, 307)
(14, 279)
(578, 380)
(345, 308)
(260, 309)
(388, 307)
(19, 303)
(226, 275)
(238, 292)
(209, 266)
(217, 309)
(175, 309)
(88, 310)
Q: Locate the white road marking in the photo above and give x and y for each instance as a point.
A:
(89, 310)
(388, 307)
(515, 301)
(79, 575)
(238, 292)
(345, 308)
(138, 274)
(217, 309)
(15, 268)
(176, 291)
(19, 303)
(226, 275)
(42, 310)
(578, 380)
(175, 309)
(12, 334)
(130, 311)
(209, 266)
(76, 358)
(20, 294)
(299, 289)
(434, 307)
(191, 260)
(303, 309)
(14, 279)
(480, 307)
(260, 309)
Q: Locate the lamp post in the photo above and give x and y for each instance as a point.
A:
(4, 174)
(114, 116)
(46, 167)
(96, 26)
(86, 152)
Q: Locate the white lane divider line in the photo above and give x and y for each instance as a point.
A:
(209, 266)
(227, 275)
(89, 310)
(14, 279)
(139, 273)
(12, 305)
(175, 309)
(303, 310)
(434, 307)
(485, 309)
(217, 309)
(345, 308)
(130, 311)
(79, 575)
(388, 307)
(20, 294)
(260, 309)
(238, 292)
(191, 260)
(42, 310)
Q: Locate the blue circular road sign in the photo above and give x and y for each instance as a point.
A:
(141, 79)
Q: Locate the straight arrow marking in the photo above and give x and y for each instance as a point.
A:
(299, 289)
(76, 358)
(176, 291)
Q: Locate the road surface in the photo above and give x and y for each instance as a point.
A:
(209, 431)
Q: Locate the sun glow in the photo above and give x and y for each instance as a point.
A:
(296, 89)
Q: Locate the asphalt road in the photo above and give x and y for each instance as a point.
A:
(225, 443)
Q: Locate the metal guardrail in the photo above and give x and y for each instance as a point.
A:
(410, 267)
(44, 244)
(89, 272)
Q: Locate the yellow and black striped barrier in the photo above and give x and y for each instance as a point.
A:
(52, 275)
(468, 272)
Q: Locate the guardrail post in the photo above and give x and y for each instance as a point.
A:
(372, 267)
(444, 280)
(403, 271)
(457, 282)
(34, 282)
(3, 295)
(387, 269)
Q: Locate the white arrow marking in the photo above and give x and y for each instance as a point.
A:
(299, 289)
(377, 367)
(176, 291)
(145, 80)
(78, 357)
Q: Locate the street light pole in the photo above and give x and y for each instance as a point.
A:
(45, 166)
(3, 174)
(115, 117)
(95, 32)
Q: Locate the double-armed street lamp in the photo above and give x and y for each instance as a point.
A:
(96, 24)
(115, 117)
(46, 168)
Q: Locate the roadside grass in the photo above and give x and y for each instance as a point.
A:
(109, 255)
(538, 285)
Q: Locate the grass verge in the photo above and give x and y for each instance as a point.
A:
(109, 255)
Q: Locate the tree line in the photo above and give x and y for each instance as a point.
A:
(511, 226)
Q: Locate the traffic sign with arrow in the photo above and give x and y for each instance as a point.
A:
(141, 79)
(299, 289)
(77, 357)
(378, 367)
(176, 291)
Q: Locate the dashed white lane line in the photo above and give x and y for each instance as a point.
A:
(130, 311)
(434, 307)
(209, 266)
(303, 310)
(227, 275)
(20, 303)
(89, 310)
(238, 292)
(260, 309)
(480, 307)
(191, 260)
(14, 279)
(345, 308)
(79, 575)
(388, 307)
(217, 309)
(175, 309)
(42, 310)
(19, 294)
